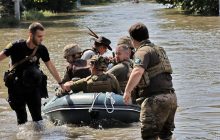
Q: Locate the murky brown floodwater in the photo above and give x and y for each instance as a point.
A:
(192, 43)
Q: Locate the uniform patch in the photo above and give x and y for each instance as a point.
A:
(137, 61)
(8, 46)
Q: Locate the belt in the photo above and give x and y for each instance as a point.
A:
(150, 94)
(170, 91)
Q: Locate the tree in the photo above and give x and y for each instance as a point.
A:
(50, 5)
(196, 7)
(201, 7)
(6, 8)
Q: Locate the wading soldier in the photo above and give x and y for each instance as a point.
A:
(157, 99)
(25, 86)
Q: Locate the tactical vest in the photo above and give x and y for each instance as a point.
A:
(164, 64)
(79, 69)
(162, 67)
(99, 86)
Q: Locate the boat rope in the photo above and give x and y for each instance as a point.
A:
(90, 109)
(108, 95)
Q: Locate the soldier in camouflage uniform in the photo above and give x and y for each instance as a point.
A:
(157, 99)
(77, 68)
(124, 65)
(127, 40)
(98, 81)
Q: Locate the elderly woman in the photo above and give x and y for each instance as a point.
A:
(77, 68)
(98, 81)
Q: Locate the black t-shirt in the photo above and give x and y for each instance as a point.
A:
(18, 50)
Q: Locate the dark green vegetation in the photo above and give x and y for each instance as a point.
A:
(50, 5)
(93, 2)
(6, 8)
(195, 7)
(41, 9)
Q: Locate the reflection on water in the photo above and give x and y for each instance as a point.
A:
(192, 44)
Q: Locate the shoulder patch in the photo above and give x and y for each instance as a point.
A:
(137, 61)
(8, 46)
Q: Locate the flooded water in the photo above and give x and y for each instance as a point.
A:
(192, 44)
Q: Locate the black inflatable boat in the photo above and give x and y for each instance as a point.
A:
(85, 107)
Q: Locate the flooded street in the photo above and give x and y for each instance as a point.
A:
(192, 44)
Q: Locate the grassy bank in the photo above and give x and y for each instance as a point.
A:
(46, 18)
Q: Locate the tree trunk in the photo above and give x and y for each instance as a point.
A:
(17, 9)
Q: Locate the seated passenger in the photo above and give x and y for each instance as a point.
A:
(98, 81)
(77, 68)
(123, 65)
(101, 44)
(127, 41)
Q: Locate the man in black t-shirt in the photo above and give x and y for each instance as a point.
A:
(26, 86)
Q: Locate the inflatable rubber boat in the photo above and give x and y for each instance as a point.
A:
(86, 107)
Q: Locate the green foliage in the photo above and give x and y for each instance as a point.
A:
(196, 7)
(6, 8)
(50, 5)
(10, 21)
(48, 13)
(201, 7)
(36, 15)
(32, 15)
(172, 2)
(93, 2)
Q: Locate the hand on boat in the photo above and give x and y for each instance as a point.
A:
(64, 88)
(60, 93)
(127, 98)
(68, 85)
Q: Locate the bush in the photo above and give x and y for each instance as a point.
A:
(196, 7)
(93, 2)
(8, 22)
(50, 5)
(32, 15)
(201, 7)
(6, 8)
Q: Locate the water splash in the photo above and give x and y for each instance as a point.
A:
(41, 129)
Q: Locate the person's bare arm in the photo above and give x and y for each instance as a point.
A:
(54, 73)
(133, 81)
(2, 56)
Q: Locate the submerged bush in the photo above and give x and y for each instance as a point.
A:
(32, 14)
(8, 21)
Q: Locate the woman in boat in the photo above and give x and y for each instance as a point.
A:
(98, 81)
(77, 68)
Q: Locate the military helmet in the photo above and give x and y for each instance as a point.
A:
(71, 49)
(100, 62)
(125, 40)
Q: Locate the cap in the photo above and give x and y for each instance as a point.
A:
(100, 62)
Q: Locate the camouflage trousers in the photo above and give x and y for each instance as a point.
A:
(157, 116)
